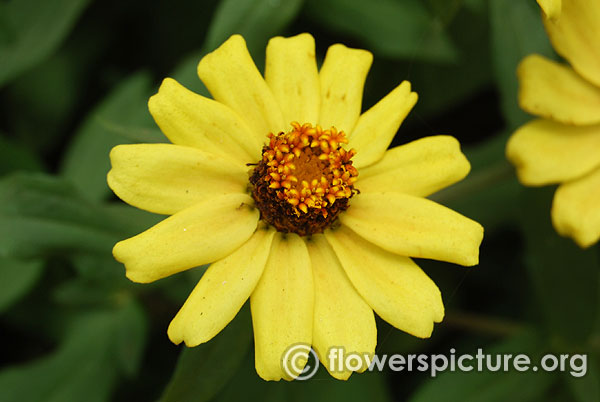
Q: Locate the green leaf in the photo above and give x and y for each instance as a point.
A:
(247, 385)
(41, 214)
(45, 100)
(130, 338)
(445, 10)
(564, 276)
(441, 87)
(131, 219)
(586, 388)
(84, 293)
(32, 30)
(16, 279)
(122, 117)
(487, 386)
(517, 31)
(368, 386)
(203, 370)
(86, 365)
(398, 29)
(14, 156)
(490, 192)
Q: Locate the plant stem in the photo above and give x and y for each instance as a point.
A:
(483, 324)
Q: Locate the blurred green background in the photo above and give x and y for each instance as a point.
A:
(75, 77)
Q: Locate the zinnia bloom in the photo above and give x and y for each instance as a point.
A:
(259, 183)
(564, 145)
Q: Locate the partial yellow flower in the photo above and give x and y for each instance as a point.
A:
(260, 185)
(563, 146)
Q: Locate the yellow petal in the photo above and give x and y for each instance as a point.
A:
(547, 152)
(376, 127)
(555, 91)
(419, 168)
(198, 235)
(575, 34)
(165, 178)
(576, 209)
(342, 317)
(394, 286)
(291, 73)
(187, 118)
(221, 292)
(343, 76)
(551, 8)
(282, 305)
(414, 227)
(233, 79)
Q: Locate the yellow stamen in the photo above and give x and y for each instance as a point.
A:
(309, 167)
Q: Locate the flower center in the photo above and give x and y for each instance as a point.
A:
(304, 179)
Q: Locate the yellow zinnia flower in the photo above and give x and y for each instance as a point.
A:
(564, 146)
(259, 185)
